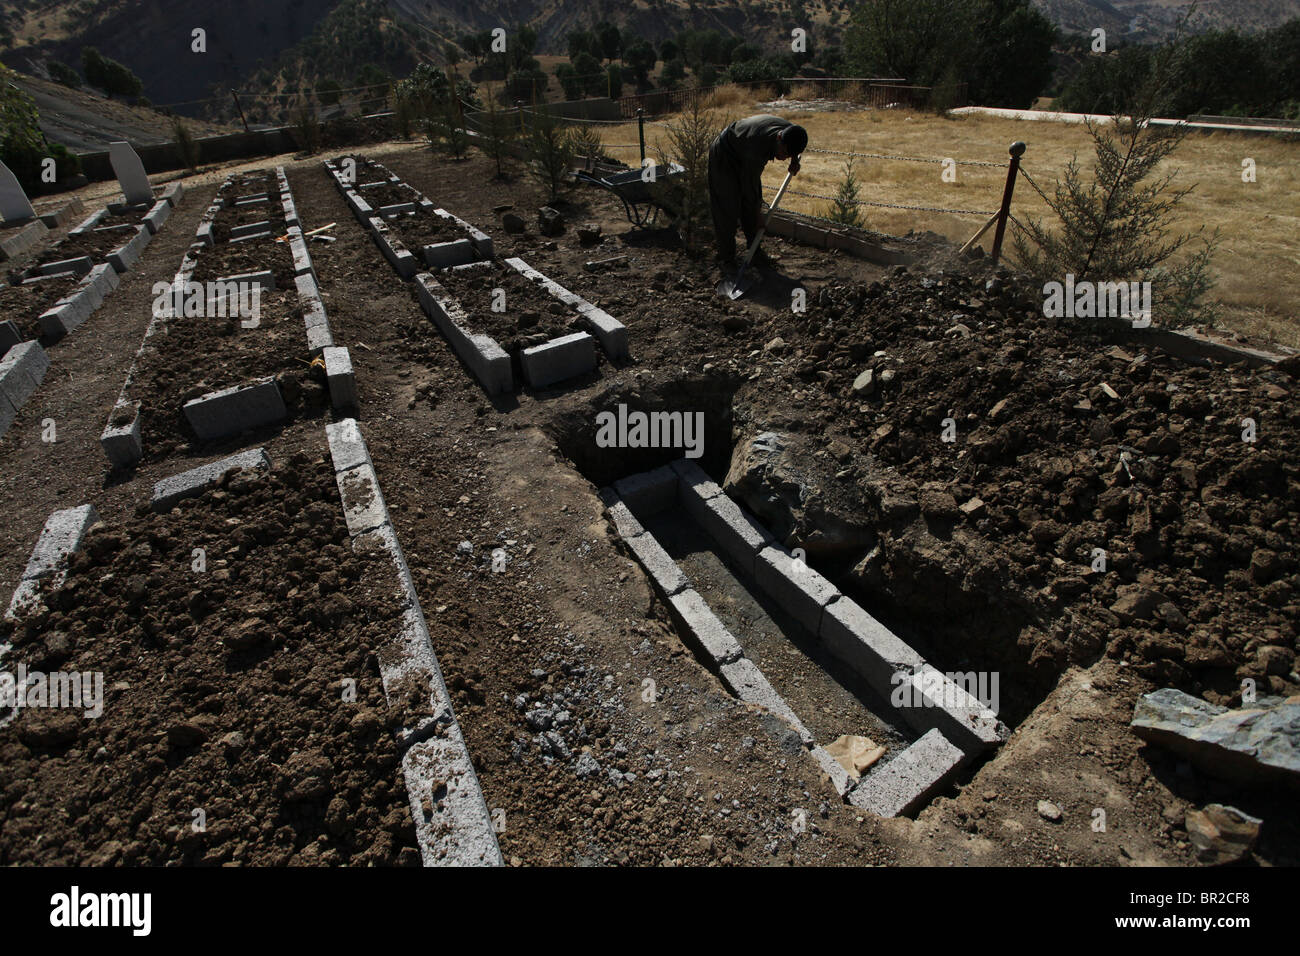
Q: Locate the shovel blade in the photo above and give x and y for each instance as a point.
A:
(735, 288)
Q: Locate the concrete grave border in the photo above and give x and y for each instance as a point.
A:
(485, 358)
(611, 332)
(954, 730)
(452, 822)
(22, 370)
(61, 537)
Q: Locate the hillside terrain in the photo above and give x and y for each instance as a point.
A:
(272, 50)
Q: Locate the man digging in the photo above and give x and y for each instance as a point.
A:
(736, 161)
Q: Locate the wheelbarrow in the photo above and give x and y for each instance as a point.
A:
(643, 193)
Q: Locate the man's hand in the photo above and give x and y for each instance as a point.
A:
(794, 166)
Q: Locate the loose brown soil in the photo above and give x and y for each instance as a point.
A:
(548, 662)
(24, 303)
(531, 316)
(229, 733)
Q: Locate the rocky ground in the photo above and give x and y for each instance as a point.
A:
(594, 730)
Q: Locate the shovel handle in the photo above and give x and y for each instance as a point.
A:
(753, 248)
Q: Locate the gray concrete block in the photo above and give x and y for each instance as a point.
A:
(46, 568)
(452, 822)
(383, 540)
(658, 563)
(905, 784)
(301, 257)
(443, 255)
(7, 414)
(234, 410)
(78, 266)
(339, 375)
(620, 514)
(121, 442)
(291, 217)
(60, 537)
(394, 251)
(21, 372)
(158, 215)
(347, 447)
(736, 533)
(747, 682)
(173, 193)
(718, 642)
(801, 591)
(314, 319)
(250, 229)
(649, 492)
(363, 503)
(319, 339)
(486, 359)
(63, 214)
(14, 242)
(930, 700)
(67, 314)
(412, 677)
(360, 208)
(89, 223)
(559, 359)
(9, 336)
(694, 478)
(196, 481)
(396, 209)
(611, 332)
(105, 278)
(125, 255)
(866, 646)
(839, 777)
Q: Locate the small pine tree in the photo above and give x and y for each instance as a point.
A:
(496, 134)
(689, 139)
(307, 129)
(550, 150)
(845, 208)
(185, 144)
(1117, 225)
(454, 138)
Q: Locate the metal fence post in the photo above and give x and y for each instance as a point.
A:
(1017, 150)
(640, 123)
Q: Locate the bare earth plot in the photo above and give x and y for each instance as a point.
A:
(597, 732)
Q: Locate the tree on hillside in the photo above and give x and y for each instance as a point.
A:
(328, 91)
(581, 41)
(609, 39)
(673, 74)
(640, 59)
(108, 75)
(914, 39)
(589, 75)
(1009, 58)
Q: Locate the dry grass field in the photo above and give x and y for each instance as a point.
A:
(1258, 260)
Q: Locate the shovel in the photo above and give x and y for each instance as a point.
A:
(735, 288)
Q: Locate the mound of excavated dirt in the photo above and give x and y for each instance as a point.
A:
(996, 454)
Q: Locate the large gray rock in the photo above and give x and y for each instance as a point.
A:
(1255, 744)
(770, 475)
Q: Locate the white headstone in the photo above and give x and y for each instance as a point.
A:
(13, 201)
(130, 173)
